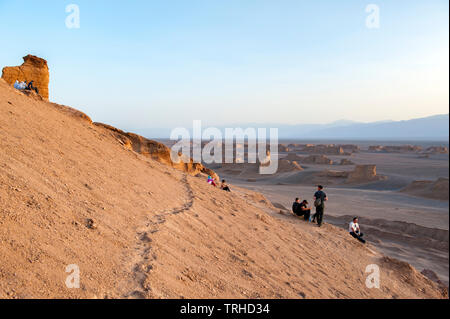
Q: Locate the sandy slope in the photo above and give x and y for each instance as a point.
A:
(158, 232)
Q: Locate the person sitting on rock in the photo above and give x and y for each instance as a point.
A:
(355, 231)
(22, 85)
(31, 87)
(17, 85)
(224, 186)
(211, 181)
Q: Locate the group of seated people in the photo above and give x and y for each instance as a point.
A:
(24, 86)
(302, 209)
(224, 186)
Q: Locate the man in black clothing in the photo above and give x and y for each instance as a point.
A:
(319, 202)
(296, 207)
(305, 210)
(31, 87)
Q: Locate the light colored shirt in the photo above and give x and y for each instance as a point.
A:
(353, 228)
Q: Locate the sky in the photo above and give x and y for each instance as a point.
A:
(165, 63)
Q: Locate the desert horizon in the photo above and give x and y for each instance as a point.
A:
(225, 168)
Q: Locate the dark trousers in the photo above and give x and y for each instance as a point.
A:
(359, 237)
(307, 214)
(30, 87)
(319, 215)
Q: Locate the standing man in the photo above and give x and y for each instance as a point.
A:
(319, 202)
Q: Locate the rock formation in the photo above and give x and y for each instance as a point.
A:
(157, 151)
(283, 148)
(334, 174)
(396, 149)
(288, 166)
(329, 149)
(350, 148)
(346, 161)
(293, 157)
(364, 174)
(316, 159)
(430, 189)
(437, 150)
(434, 277)
(33, 69)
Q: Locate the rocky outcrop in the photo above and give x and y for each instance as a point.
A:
(437, 150)
(33, 69)
(364, 174)
(429, 189)
(350, 148)
(293, 157)
(285, 166)
(283, 148)
(434, 277)
(346, 161)
(317, 159)
(334, 174)
(395, 148)
(330, 149)
(157, 151)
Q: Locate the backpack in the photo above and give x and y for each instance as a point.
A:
(318, 202)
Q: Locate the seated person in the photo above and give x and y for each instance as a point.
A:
(31, 87)
(224, 186)
(355, 231)
(211, 181)
(296, 208)
(22, 85)
(305, 210)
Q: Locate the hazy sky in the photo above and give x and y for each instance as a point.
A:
(137, 64)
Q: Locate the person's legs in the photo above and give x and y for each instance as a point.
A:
(319, 213)
(307, 214)
(359, 237)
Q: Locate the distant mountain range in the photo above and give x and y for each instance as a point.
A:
(428, 128)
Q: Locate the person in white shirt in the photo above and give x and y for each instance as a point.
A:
(22, 85)
(355, 231)
(16, 84)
